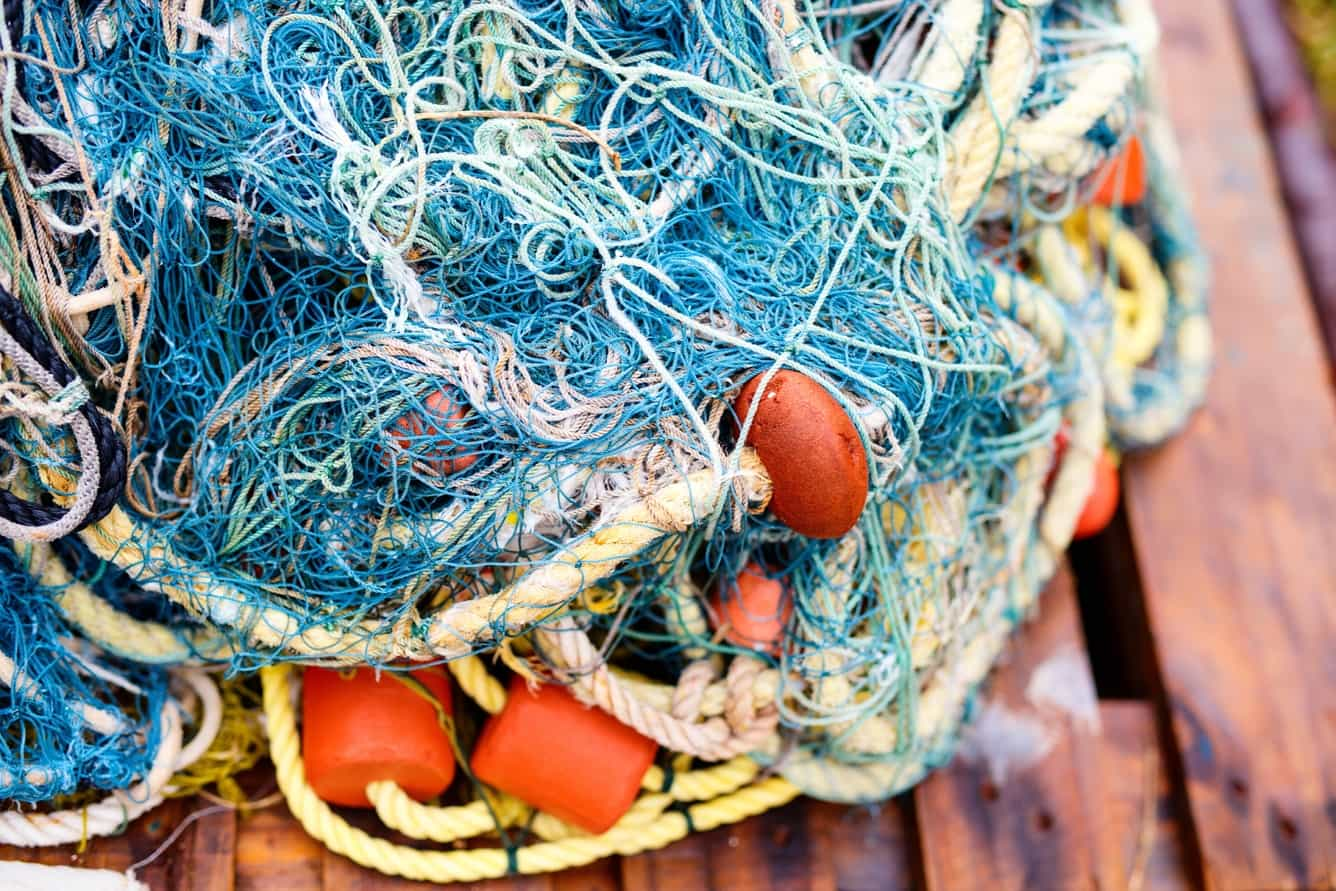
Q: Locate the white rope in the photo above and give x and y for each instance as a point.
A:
(111, 814)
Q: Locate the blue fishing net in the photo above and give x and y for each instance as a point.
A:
(71, 718)
(409, 297)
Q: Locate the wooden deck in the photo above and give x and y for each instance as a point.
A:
(1214, 603)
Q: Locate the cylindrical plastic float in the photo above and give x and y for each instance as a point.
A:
(361, 726)
(577, 763)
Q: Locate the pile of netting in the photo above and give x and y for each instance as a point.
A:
(350, 332)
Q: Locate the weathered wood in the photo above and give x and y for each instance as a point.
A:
(146, 836)
(1045, 826)
(682, 866)
(203, 857)
(1233, 520)
(211, 852)
(1137, 798)
(604, 875)
(772, 851)
(870, 848)
(1305, 162)
(806, 845)
(273, 851)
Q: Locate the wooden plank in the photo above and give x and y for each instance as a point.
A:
(604, 875)
(679, 867)
(202, 858)
(871, 848)
(804, 846)
(338, 873)
(273, 851)
(1305, 162)
(1233, 520)
(771, 852)
(1045, 826)
(145, 839)
(1138, 798)
(210, 853)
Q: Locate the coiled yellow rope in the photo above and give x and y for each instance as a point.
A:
(633, 834)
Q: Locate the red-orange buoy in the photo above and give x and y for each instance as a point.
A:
(1122, 179)
(441, 416)
(812, 452)
(574, 762)
(358, 728)
(1102, 503)
(755, 613)
(1061, 440)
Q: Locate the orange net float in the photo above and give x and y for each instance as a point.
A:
(1122, 179)
(359, 728)
(1102, 502)
(434, 425)
(755, 612)
(577, 763)
(810, 449)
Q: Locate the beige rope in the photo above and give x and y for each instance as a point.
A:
(535, 596)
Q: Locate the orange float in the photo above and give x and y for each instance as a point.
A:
(755, 613)
(811, 451)
(358, 728)
(1061, 440)
(577, 763)
(441, 416)
(1103, 501)
(1122, 179)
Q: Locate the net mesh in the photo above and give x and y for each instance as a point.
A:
(404, 304)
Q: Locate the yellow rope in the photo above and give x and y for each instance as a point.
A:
(1141, 307)
(631, 835)
(478, 683)
(239, 745)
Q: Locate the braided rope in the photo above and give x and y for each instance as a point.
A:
(466, 625)
(630, 837)
(27, 521)
(112, 629)
(102, 455)
(955, 45)
(111, 815)
(977, 140)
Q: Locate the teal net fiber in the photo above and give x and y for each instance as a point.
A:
(398, 306)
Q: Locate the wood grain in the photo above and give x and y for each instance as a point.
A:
(1306, 164)
(1233, 521)
(1045, 826)
(870, 848)
(273, 851)
(1150, 841)
(805, 846)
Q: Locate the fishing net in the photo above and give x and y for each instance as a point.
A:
(421, 325)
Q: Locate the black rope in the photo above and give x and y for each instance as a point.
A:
(110, 450)
(39, 156)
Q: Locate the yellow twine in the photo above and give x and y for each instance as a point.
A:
(647, 827)
(239, 745)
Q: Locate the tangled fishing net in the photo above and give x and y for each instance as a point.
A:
(360, 332)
